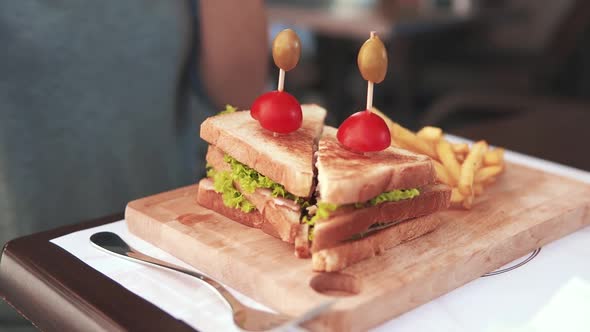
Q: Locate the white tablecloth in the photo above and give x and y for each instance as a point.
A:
(549, 293)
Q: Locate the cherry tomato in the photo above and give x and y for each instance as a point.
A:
(277, 111)
(364, 132)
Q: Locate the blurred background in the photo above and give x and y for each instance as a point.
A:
(100, 101)
(516, 73)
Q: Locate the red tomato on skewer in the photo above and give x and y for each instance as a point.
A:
(364, 132)
(277, 111)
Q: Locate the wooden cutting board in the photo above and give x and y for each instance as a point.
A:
(524, 210)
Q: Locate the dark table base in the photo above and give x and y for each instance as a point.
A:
(58, 292)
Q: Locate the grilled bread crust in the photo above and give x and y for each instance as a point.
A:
(348, 253)
(208, 198)
(286, 159)
(348, 221)
(346, 177)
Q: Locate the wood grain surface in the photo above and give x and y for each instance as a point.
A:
(524, 210)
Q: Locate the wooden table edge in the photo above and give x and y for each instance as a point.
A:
(56, 291)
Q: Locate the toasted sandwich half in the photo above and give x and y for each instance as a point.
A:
(262, 180)
(367, 203)
(338, 207)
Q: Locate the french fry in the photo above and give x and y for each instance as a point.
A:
(466, 170)
(385, 118)
(470, 166)
(430, 134)
(408, 140)
(389, 124)
(460, 148)
(456, 197)
(485, 173)
(494, 157)
(442, 175)
(460, 157)
(405, 138)
(447, 157)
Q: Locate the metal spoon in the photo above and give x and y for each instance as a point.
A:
(246, 318)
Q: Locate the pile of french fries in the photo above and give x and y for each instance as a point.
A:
(468, 170)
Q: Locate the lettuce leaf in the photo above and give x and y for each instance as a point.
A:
(223, 184)
(250, 180)
(323, 212)
(228, 109)
(394, 196)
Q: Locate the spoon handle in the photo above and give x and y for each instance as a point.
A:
(139, 257)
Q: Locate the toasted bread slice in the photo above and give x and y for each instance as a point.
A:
(215, 158)
(207, 197)
(286, 159)
(302, 243)
(348, 221)
(346, 177)
(283, 214)
(339, 257)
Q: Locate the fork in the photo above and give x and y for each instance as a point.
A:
(244, 317)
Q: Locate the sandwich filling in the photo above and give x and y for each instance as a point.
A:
(224, 185)
(323, 210)
(249, 180)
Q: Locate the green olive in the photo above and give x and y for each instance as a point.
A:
(286, 49)
(372, 60)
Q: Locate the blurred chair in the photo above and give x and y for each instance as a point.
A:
(492, 87)
(548, 128)
(524, 51)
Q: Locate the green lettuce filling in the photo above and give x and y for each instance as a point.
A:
(323, 212)
(250, 180)
(228, 109)
(394, 196)
(223, 184)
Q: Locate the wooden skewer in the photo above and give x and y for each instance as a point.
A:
(370, 96)
(281, 86)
